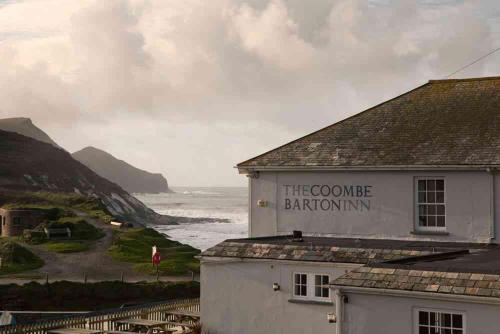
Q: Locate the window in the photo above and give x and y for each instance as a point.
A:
(438, 322)
(311, 286)
(431, 213)
(300, 284)
(321, 288)
(16, 221)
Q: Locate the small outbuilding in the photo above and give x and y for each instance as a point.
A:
(14, 221)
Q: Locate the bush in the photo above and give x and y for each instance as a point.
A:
(34, 236)
(80, 229)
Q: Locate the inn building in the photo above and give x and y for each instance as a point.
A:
(385, 222)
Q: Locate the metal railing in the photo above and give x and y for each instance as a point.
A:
(104, 320)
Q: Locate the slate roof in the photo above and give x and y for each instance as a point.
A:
(442, 123)
(323, 249)
(473, 273)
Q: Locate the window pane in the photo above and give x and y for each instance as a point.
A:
(432, 318)
(457, 321)
(423, 330)
(297, 290)
(317, 279)
(440, 185)
(303, 290)
(422, 210)
(304, 279)
(422, 198)
(431, 185)
(297, 278)
(445, 320)
(317, 292)
(422, 220)
(439, 197)
(431, 209)
(431, 197)
(457, 331)
(446, 331)
(431, 221)
(440, 221)
(440, 209)
(326, 279)
(423, 318)
(421, 185)
(326, 292)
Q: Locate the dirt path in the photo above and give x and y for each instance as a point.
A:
(94, 264)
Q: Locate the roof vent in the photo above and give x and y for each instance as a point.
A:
(297, 236)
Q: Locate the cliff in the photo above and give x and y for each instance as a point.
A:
(31, 165)
(130, 178)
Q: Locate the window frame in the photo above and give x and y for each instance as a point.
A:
(416, 318)
(294, 284)
(311, 286)
(417, 203)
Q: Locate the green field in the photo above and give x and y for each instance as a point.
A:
(135, 246)
(16, 259)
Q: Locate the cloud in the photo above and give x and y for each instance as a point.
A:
(282, 65)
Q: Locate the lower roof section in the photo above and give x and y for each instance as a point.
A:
(336, 250)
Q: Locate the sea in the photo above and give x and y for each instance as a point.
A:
(202, 202)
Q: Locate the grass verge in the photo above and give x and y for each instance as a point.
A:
(66, 246)
(16, 259)
(135, 246)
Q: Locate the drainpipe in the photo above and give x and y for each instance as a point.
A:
(338, 311)
(492, 204)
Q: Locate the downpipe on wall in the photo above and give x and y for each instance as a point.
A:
(338, 310)
(492, 171)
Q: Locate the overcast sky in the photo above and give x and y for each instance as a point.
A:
(189, 88)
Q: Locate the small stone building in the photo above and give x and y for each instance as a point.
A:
(14, 221)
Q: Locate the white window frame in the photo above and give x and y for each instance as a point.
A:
(416, 318)
(417, 203)
(311, 286)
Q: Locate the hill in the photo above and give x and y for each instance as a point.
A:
(31, 165)
(25, 127)
(130, 178)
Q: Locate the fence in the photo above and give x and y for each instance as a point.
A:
(104, 320)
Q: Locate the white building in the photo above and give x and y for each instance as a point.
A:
(399, 208)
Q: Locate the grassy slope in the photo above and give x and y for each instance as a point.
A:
(16, 259)
(135, 246)
(55, 201)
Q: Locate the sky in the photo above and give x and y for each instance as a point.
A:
(189, 88)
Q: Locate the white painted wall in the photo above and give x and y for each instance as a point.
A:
(238, 297)
(377, 314)
(392, 205)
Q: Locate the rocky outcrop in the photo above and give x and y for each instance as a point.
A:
(31, 165)
(130, 178)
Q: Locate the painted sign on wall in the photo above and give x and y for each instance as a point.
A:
(327, 197)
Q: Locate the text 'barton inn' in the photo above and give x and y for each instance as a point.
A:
(385, 222)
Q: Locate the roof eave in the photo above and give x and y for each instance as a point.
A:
(417, 294)
(250, 169)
